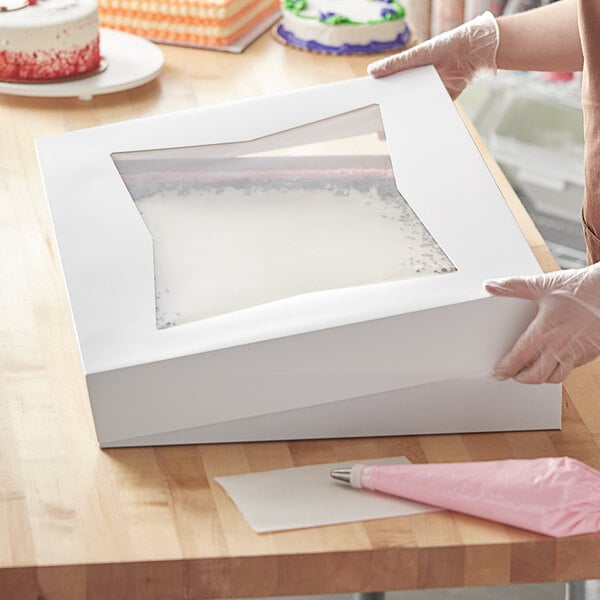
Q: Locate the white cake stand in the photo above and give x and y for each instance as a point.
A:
(132, 61)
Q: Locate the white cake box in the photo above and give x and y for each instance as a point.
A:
(297, 266)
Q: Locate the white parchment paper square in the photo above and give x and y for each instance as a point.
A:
(303, 497)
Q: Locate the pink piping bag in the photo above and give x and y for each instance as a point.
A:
(554, 496)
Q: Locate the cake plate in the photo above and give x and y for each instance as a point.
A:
(132, 61)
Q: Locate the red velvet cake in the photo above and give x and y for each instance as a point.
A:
(45, 40)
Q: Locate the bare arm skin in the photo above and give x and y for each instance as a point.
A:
(542, 39)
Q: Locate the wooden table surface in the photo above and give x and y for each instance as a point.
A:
(150, 523)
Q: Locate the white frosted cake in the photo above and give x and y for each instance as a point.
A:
(261, 230)
(48, 39)
(344, 26)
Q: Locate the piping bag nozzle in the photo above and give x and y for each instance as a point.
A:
(351, 475)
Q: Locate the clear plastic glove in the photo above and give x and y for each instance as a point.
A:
(566, 330)
(459, 55)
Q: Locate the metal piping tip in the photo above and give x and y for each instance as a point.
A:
(341, 474)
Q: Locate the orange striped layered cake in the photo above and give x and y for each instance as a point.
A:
(187, 22)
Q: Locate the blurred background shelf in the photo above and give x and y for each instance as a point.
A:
(534, 129)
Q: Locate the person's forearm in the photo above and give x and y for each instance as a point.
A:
(542, 39)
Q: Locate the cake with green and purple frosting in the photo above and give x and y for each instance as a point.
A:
(344, 26)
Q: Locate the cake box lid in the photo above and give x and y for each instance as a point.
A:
(106, 249)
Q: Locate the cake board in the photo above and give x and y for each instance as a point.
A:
(132, 61)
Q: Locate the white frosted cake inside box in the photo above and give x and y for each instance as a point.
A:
(239, 231)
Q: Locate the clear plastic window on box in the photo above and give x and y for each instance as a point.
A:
(304, 210)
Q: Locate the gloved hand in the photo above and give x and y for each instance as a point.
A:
(458, 55)
(566, 330)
